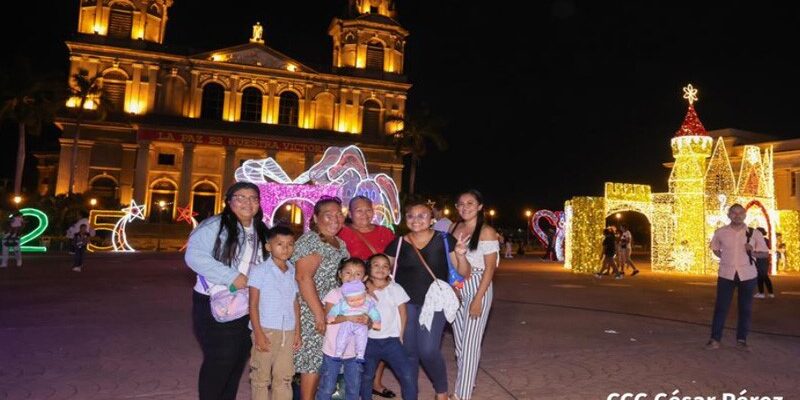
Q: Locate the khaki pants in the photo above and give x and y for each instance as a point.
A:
(274, 367)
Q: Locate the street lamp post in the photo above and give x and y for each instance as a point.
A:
(491, 217)
(162, 206)
(528, 214)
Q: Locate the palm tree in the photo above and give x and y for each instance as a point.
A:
(86, 94)
(413, 136)
(28, 101)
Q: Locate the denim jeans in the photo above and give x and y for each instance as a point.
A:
(725, 288)
(391, 351)
(425, 347)
(329, 373)
(762, 265)
(78, 259)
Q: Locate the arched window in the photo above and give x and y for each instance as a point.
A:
(288, 111)
(213, 101)
(371, 123)
(114, 90)
(154, 10)
(104, 188)
(162, 192)
(251, 105)
(120, 21)
(375, 56)
(204, 200)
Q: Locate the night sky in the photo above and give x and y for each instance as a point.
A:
(540, 105)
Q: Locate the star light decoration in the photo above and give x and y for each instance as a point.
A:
(187, 214)
(340, 172)
(119, 238)
(690, 94)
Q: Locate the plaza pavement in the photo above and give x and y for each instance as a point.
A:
(122, 330)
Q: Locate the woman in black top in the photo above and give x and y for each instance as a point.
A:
(423, 345)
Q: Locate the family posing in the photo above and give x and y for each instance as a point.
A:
(349, 297)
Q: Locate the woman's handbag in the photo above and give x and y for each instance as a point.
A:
(227, 305)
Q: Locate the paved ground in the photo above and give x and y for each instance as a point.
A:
(121, 330)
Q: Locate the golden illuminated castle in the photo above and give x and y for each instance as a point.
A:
(182, 122)
(702, 185)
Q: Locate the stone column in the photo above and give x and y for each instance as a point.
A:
(126, 172)
(64, 166)
(185, 189)
(83, 164)
(230, 167)
(142, 172)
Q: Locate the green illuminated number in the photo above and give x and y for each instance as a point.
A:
(43, 222)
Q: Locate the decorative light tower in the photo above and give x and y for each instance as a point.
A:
(691, 146)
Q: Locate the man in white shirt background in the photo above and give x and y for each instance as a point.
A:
(737, 247)
(442, 222)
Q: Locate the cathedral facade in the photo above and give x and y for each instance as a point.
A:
(178, 123)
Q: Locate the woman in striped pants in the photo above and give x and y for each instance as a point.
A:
(483, 256)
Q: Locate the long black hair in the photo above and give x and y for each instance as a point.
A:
(225, 253)
(476, 234)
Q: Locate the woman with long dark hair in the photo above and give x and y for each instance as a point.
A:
(483, 256)
(317, 255)
(221, 250)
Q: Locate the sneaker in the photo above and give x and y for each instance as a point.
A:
(598, 276)
(742, 345)
(77, 269)
(636, 271)
(771, 296)
(618, 276)
(712, 345)
(758, 296)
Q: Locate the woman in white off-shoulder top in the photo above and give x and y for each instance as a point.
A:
(483, 256)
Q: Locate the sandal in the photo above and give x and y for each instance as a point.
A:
(384, 393)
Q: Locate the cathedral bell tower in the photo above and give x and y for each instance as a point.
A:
(125, 19)
(368, 37)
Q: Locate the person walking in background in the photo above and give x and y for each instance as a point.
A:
(607, 258)
(11, 239)
(442, 223)
(763, 265)
(737, 247)
(79, 242)
(625, 251)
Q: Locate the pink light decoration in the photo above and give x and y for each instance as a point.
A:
(557, 220)
(275, 195)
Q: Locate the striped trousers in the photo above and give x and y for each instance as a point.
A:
(468, 334)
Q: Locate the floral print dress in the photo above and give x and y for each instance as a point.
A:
(309, 358)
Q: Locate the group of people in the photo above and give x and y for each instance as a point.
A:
(78, 235)
(617, 249)
(347, 296)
